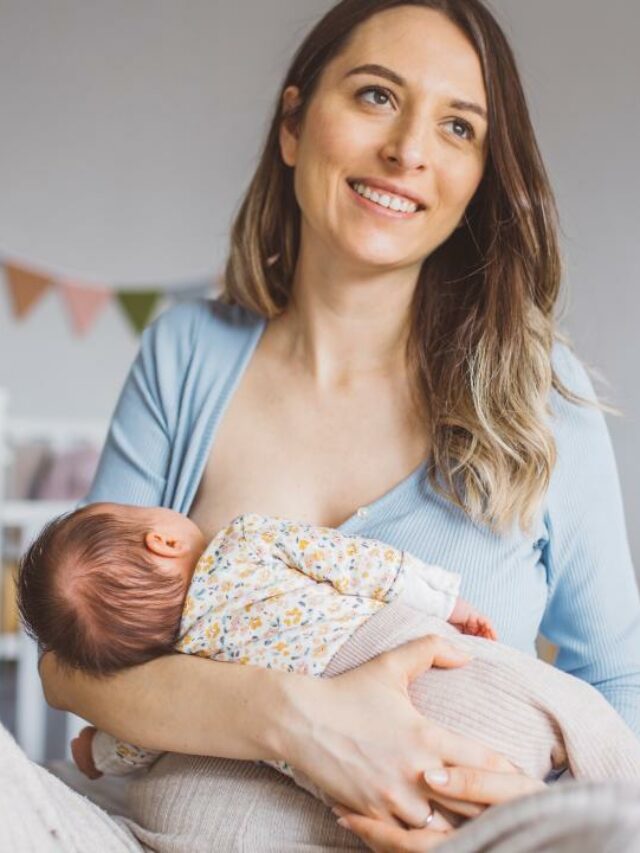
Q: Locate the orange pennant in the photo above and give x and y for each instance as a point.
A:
(84, 303)
(26, 288)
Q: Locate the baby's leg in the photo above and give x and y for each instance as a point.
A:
(96, 753)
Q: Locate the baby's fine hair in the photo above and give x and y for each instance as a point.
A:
(88, 591)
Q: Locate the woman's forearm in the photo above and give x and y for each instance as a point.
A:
(356, 736)
(182, 703)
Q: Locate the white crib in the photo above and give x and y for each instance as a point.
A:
(28, 516)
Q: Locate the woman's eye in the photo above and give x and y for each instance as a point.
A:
(467, 129)
(375, 96)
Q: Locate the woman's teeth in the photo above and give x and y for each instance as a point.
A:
(394, 202)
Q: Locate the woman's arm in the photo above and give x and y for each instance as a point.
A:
(593, 612)
(373, 762)
(179, 703)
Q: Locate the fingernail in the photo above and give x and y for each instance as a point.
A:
(339, 811)
(343, 822)
(437, 777)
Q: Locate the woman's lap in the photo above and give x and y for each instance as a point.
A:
(193, 804)
(187, 803)
(190, 803)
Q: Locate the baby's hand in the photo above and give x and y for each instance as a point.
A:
(468, 620)
(82, 754)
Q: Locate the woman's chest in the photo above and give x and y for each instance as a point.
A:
(280, 452)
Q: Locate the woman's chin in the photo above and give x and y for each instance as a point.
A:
(374, 255)
(383, 261)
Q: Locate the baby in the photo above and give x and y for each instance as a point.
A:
(112, 586)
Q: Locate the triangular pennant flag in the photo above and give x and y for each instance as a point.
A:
(83, 303)
(138, 306)
(26, 288)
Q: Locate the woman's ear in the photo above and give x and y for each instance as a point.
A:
(163, 544)
(289, 126)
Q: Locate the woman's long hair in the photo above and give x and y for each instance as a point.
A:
(483, 322)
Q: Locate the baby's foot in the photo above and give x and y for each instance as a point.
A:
(82, 753)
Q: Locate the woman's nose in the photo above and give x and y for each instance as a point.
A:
(408, 148)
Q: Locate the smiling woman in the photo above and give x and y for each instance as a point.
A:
(433, 185)
(385, 360)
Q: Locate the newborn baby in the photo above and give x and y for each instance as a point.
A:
(112, 586)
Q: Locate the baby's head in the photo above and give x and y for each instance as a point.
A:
(103, 587)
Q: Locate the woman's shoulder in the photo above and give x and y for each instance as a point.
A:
(193, 315)
(580, 431)
(571, 371)
(198, 324)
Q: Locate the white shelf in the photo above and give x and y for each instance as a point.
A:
(8, 647)
(28, 517)
(27, 514)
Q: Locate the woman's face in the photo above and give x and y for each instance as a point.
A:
(398, 114)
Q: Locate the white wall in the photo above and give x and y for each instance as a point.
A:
(129, 130)
(581, 68)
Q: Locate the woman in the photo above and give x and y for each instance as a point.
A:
(387, 363)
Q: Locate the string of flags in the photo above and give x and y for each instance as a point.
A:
(84, 302)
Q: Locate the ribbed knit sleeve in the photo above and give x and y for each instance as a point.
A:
(135, 460)
(593, 610)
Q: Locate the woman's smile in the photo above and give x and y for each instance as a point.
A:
(384, 201)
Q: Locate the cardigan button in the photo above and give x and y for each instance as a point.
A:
(362, 512)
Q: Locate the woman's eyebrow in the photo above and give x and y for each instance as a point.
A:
(388, 74)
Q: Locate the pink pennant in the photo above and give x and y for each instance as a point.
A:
(84, 303)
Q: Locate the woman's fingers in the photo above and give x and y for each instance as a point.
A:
(383, 838)
(417, 656)
(459, 807)
(456, 749)
(480, 786)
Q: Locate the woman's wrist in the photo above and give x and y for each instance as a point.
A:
(289, 700)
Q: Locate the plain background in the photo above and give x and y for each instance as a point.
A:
(129, 130)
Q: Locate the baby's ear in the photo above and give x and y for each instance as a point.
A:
(163, 544)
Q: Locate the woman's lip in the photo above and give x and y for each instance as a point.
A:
(389, 189)
(378, 208)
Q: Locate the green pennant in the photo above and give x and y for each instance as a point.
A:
(138, 306)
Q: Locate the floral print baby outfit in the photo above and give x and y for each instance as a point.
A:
(286, 595)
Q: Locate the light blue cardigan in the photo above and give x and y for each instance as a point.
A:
(571, 578)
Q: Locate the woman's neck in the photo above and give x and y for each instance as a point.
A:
(344, 325)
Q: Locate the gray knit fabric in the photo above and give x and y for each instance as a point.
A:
(572, 818)
(196, 805)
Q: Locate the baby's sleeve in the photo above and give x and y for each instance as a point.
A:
(351, 564)
(430, 589)
(117, 758)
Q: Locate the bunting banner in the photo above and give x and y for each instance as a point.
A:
(84, 302)
(26, 288)
(138, 306)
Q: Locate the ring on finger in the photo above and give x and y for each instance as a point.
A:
(427, 821)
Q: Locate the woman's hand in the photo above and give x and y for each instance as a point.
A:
(364, 744)
(483, 787)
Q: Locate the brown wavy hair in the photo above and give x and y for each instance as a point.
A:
(483, 311)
